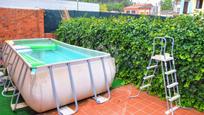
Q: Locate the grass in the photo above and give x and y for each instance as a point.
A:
(117, 83)
(5, 108)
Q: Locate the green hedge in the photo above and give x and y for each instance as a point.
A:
(129, 41)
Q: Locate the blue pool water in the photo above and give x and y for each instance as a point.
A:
(38, 52)
(58, 55)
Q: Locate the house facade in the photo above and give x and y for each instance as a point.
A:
(176, 6)
(191, 6)
(156, 9)
(145, 9)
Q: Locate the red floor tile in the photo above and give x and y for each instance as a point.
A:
(121, 104)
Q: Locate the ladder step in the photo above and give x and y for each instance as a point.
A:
(66, 111)
(150, 67)
(170, 72)
(9, 89)
(162, 58)
(174, 98)
(147, 77)
(171, 110)
(172, 85)
(145, 86)
(18, 106)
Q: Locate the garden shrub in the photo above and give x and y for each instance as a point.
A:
(129, 41)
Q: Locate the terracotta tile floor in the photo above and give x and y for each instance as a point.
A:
(120, 104)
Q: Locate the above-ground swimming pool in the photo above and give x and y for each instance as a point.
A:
(36, 65)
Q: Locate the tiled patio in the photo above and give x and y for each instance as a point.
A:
(120, 104)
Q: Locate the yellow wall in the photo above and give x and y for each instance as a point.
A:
(194, 6)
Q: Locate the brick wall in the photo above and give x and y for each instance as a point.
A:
(21, 23)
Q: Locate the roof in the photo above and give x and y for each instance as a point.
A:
(139, 6)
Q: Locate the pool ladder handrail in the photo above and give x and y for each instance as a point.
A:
(99, 99)
(10, 73)
(13, 88)
(2, 69)
(64, 110)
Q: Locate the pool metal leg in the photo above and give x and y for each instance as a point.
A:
(54, 90)
(64, 110)
(92, 83)
(8, 57)
(3, 47)
(4, 50)
(73, 88)
(99, 99)
(106, 79)
(16, 94)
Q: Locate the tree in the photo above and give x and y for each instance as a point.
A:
(103, 8)
(115, 7)
(110, 5)
(118, 6)
(166, 5)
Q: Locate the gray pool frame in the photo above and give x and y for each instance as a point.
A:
(9, 51)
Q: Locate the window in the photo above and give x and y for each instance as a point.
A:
(199, 4)
(128, 12)
(133, 12)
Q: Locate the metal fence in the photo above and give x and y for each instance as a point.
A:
(52, 18)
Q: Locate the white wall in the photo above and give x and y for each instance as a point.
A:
(153, 2)
(49, 4)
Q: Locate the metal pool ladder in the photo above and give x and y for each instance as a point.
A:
(2, 69)
(99, 99)
(64, 110)
(168, 72)
(10, 73)
(13, 88)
